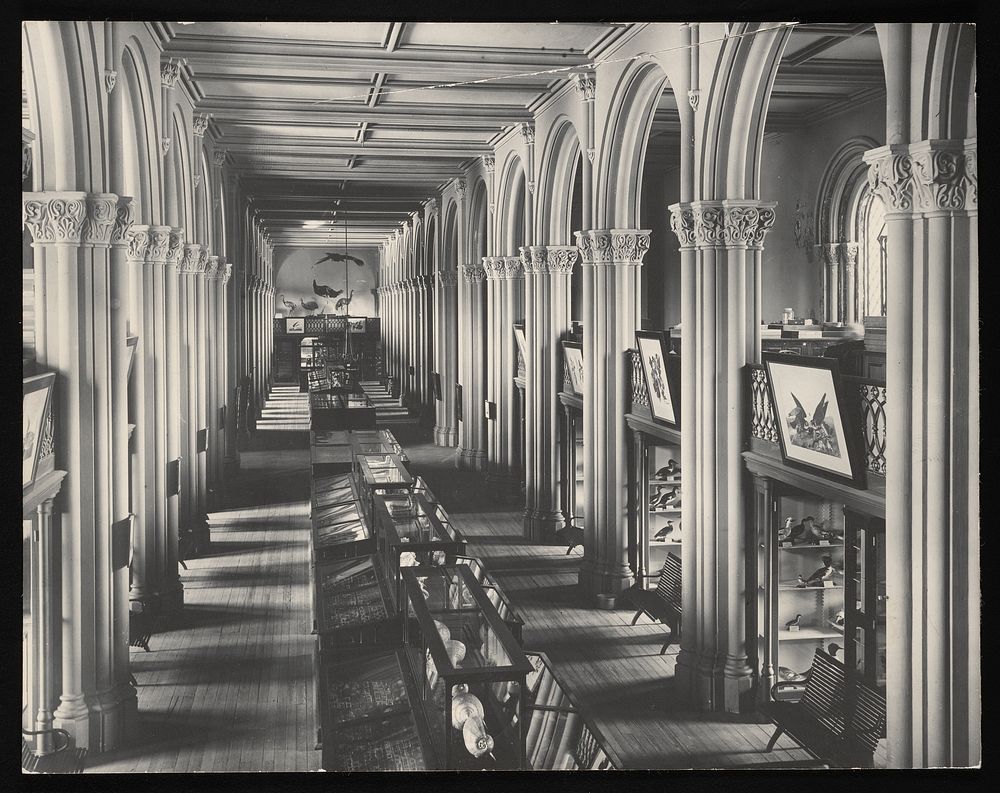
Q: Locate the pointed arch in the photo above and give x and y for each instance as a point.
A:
(478, 226)
(510, 230)
(559, 162)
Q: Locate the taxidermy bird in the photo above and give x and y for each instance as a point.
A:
(312, 305)
(341, 257)
(344, 302)
(673, 499)
(795, 532)
(833, 649)
(794, 623)
(288, 304)
(665, 498)
(326, 291)
(839, 618)
(655, 497)
(670, 469)
(665, 531)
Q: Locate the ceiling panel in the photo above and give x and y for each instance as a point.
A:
(286, 89)
(863, 47)
(346, 32)
(540, 35)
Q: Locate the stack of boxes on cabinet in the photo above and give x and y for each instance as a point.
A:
(418, 658)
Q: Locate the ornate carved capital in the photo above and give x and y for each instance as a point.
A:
(137, 238)
(474, 273)
(170, 70)
(890, 176)
(511, 268)
(849, 254)
(227, 273)
(694, 97)
(549, 259)
(202, 262)
(617, 246)
(940, 171)
(175, 248)
(831, 254)
(102, 209)
(219, 157)
(199, 124)
(55, 217)
(110, 80)
(489, 163)
(189, 260)
(586, 86)
(159, 244)
(212, 267)
(460, 188)
(528, 132)
(732, 223)
(491, 267)
(124, 217)
(447, 278)
(682, 224)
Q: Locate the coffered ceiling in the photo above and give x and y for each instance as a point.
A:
(329, 122)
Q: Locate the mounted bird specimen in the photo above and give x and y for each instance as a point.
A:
(310, 305)
(341, 257)
(326, 291)
(344, 302)
(288, 303)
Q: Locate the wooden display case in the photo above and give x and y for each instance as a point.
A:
(352, 609)
(380, 473)
(339, 530)
(469, 670)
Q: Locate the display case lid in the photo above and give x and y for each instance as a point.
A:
(413, 519)
(449, 595)
(384, 469)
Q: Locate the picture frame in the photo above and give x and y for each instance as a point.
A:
(458, 402)
(35, 407)
(522, 344)
(295, 324)
(573, 355)
(661, 371)
(818, 425)
(356, 324)
(436, 386)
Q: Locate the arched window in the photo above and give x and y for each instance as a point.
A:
(869, 231)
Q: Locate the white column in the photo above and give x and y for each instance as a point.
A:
(472, 453)
(513, 310)
(446, 355)
(547, 271)
(493, 360)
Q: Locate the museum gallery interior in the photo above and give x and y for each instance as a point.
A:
(581, 395)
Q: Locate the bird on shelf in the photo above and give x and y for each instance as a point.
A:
(794, 623)
(311, 305)
(344, 302)
(665, 498)
(673, 500)
(800, 531)
(326, 291)
(666, 530)
(824, 573)
(672, 468)
(785, 531)
(833, 649)
(839, 618)
(655, 497)
(341, 257)
(288, 303)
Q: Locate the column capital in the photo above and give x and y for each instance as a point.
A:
(682, 224)
(199, 124)
(189, 261)
(491, 267)
(447, 278)
(203, 255)
(510, 268)
(159, 244)
(213, 270)
(170, 70)
(175, 247)
(729, 223)
(489, 163)
(137, 239)
(549, 259)
(586, 86)
(227, 273)
(945, 174)
(124, 217)
(830, 252)
(460, 188)
(76, 218)
(613, 246)
(527, 129)
(474, 273)
(849, 254)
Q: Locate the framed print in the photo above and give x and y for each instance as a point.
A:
(356, 325)
(295, 324)
(573, 351)
(436, 386)
(36, 404)
(458, 402)
(521, 343)
(132, 342)
(816, 426)
(662, 374)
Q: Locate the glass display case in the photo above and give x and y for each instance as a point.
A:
(865, 596)
(409, 534)
(496, 595)
(468, 670)
(380, 473)
(659, 527)
(352, 609)
(330, 452)
(338, 529)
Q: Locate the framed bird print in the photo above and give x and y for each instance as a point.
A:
(35, 407)
(817, 427)
(662, 373)
(295, 324)
(522, 345)
(573, 351)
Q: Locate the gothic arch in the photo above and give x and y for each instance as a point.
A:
(510, 206)
(838, 189)
(450, 260)
(478, 223)
(559, 160)
(140, 138)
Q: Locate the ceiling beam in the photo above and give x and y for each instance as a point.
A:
(392, 36)
(310, 112)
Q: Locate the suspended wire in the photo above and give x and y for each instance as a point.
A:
(558, 69)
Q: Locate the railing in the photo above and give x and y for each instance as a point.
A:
(871, 402)
(520, 364)
(567, 381)
(317, 324)
(638, 395)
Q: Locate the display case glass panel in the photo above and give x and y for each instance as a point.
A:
(866, 599)
(468, 668)
(380, 472)
(809, 539)
(409, 534)
(662, 530)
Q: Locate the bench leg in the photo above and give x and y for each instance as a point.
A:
(570, 550)
(666, 644)
(774, 738)
(635, 619)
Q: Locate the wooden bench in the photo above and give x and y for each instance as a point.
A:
(662, 604)
(572, 535)
(835, 720)
(64, 759)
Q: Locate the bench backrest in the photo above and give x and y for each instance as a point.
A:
(855, 711)
(669, 587)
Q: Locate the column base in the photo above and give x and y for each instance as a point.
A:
(503, 483)
(445, 436)
(171, 601)
(73, 715)
(471, 459)
(541, 527)
(112, 717)
(230, 466)
(597, 579)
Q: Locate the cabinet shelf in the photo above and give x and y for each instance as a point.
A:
(665, 481)
(807, 635)
(792, 586)
(666, 511)
(810, 547)
(671, 541)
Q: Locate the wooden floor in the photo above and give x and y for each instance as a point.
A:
(229, 688)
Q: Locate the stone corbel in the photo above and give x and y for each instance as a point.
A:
(110, 80)
(460, 188)
(170, 70)
(219, 157)
(199, 124)
(528, 133)
(586, 86)
(489, 163)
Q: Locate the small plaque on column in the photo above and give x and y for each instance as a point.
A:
(174, 477)
(490, 410)
(203, 440)
(121, 542)
(222, 415)
(458, 401)
(436, 385)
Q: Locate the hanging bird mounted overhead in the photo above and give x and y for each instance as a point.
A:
(341, 257)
